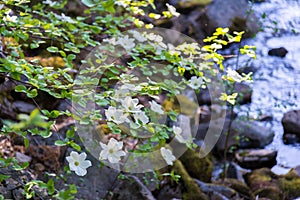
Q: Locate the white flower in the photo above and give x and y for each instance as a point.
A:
(154, 37)
(49, 2)
(177, 131)
(141, 116)
(130, 105)
(234, 75)
(66, 18)
(172, 50)
(112, 151)
(1, 6)
(9, 18)
(110, 40)
(195, 82)
(172, 10)
(123, 3)
(78, 163)
(115, 115)
(156, 107)
(126, 42)
(138, 36)
(167, 155)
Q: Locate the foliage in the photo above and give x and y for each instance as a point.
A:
(43, 48)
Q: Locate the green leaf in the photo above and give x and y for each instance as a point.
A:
(26, 142)
(20, 88)
(34, 45)
(32, 93)
(50, 187)
(52, 49)
(3, 177)
(60, 143)
(75, 146)
(88, 3)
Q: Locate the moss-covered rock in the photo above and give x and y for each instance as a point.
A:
(184, 4)
(200, 168)
(190, 190)
(263, 183)
(290, 184)
(240, 187)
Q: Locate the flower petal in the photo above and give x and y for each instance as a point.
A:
(74, 155)
(81, 171)
(81, 157)
(85, 164)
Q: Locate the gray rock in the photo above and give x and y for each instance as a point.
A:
(24, 107)
(279, 52)
(256, 158)
(291, 126)
(232, 14)
(243, 134)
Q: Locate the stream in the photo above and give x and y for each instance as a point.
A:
(276, 86)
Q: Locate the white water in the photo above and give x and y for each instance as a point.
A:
(276, 87)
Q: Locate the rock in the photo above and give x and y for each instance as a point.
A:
(169, 192)
(290, 184)
(234, 171)
(244, 90)
(190, 189)
(229, 13)
(132, 188)
(200, 168)
(279, 52)
(245, 93)
(291, 126)
(209, 188)
(256, 158)
(265, 183)
(239, 187)
(191, 4)
(243, 134)
(260, 182)
(23, 107)
(22, 158)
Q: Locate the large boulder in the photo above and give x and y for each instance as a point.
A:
(291, 126)
(200, 168)
(230, 13)
(265, 183)
(256, 158)
(243, 134)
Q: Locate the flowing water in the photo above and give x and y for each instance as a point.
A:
(276, 87)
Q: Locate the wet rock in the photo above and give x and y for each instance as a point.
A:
(216, 190)
(261, 183)
(190, 189)
(24, 107)
(191, 4)
(240, 187)
(291, 126)
(133, 188)
(265, 183)
(200, 168)
(244, 134)
(279, 52)
(234, 171)
(229, 13)
(256, 158)
(245, 94)
(169, 192)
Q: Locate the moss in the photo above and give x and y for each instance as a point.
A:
(290, 185)
(191, 191)
(259, 177)
(270, 192)
(200, 168)
(239, 186)
(183, 4)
